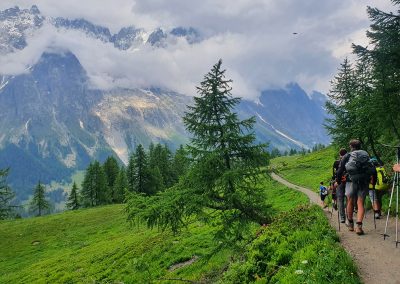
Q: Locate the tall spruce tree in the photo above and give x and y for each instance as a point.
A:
(6, 196)
(365, 96)
(180, 163)
(111, 170)
(142, 173)
(131, 173)
(225, 172)
(120, 186)
(94, 186)
(39, 203)
(73, 202)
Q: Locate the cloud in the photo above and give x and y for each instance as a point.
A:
(255, 39)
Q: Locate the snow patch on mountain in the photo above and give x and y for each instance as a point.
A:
(298, 143)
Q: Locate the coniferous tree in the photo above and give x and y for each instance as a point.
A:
(6, 195)
(94, 186)
(73, 198)
(365, 95)
(275, 153)
(342, 105)
(160, 157)
(224, 173)
(155, 181)
(131, 173)
(180, 163)
(142, 173)
(120, 186)
(111, 170)
(39, 202)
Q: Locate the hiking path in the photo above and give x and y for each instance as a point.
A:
(378, 260)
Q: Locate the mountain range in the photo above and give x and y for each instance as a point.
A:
(53, 122)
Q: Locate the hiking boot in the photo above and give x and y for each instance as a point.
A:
(359, 230)
(377, 216)
(342, 220)
(350, 225)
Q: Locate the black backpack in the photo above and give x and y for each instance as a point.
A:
(359, 167)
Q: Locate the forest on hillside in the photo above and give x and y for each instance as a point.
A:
(364, 96)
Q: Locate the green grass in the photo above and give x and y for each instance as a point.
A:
(299, 247)
(308, 170)
(98, 246)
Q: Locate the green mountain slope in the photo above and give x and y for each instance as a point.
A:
(306, 170)
(98, 245)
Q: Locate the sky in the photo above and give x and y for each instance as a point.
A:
(263, 43)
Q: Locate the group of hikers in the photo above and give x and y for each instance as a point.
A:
(354, 175)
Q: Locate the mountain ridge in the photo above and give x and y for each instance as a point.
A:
(53, 122)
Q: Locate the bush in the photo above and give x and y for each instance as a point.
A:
(298, 247)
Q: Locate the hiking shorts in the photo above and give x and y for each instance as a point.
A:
(323, 196)
(348, 188)
(357, 189)
(376, 195)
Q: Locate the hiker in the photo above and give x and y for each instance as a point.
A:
(378, 188)
(323, 193)
(332, 188)
(359, 170)
(340, 188)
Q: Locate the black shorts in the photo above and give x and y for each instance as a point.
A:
(323, 196)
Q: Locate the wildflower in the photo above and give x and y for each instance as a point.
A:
(304, 262)
(299, 271)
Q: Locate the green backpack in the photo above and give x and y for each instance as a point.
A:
(382, 181)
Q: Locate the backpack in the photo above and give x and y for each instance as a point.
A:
(382, 181)
(359, 167)
(324, 190)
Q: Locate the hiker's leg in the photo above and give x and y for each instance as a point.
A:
(350, 205)
(374, 200)
(340, 200)
(350, 208)
(379, 200)
(361, 191)
(361, 210)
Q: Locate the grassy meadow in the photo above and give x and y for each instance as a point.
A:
(306, 170)
(309, 170)
(98, 245)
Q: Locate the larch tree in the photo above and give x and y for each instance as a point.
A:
(221, 184)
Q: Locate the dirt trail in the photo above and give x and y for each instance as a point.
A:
(378, 260)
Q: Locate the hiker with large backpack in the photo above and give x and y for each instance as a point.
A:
(378, 188)
(340, 188)
(359, 169)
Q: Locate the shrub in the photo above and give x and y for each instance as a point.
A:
(298, 247)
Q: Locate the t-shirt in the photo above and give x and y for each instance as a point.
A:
(323, 190)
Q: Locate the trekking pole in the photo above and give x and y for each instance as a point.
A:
(373, 202)
(390, 206)
(397, 199)
(395, 183)
(338, 218)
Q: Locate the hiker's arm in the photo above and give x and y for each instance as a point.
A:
(341, 168)
(374, 178)
(396, 167)
(334, 168)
